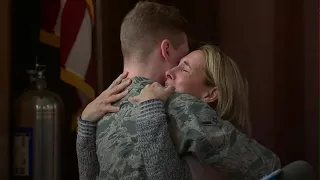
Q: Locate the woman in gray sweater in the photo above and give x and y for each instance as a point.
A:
(206, 73)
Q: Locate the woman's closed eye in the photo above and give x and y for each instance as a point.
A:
(185, 68)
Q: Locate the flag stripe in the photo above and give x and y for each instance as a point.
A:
(58, 22)
(49, 39)
(71, 21)
(81, 49)
(90, 6)
(50, 10)
(77, 82)
(74, 24)
(92, 75)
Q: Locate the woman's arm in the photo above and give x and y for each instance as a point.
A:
(159, 154)
(86, 138)
(86, 150)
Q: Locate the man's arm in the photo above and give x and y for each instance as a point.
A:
(159, 154)
(198, 129)
(86, 150)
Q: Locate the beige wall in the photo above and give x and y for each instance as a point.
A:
(5, 59)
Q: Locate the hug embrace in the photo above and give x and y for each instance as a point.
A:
(172, 114)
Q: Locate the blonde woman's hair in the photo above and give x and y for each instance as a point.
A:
(223, 73)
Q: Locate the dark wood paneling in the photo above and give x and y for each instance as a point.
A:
(311, 83)
(246, 34)
(289, 80)
(275, 45)
(5, 87)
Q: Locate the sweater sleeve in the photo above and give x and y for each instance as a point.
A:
(159, 154)
(86, 150)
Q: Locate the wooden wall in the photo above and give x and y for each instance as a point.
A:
(275, 45)
(5, 60)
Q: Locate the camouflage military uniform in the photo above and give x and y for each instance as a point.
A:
(159, 155)
(195, 128)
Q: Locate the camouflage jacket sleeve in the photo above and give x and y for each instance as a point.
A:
(160, 157)
(88, 165)
(196, 128)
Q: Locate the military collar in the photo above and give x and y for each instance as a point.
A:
(138, 82)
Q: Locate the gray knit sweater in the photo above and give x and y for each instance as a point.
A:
(159, 154)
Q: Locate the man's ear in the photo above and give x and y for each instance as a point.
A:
(165, 49)
(211, 95)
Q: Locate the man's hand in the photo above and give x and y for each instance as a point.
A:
(154, 91)
(102, 104)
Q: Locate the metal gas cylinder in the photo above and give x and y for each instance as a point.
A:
(37, 132)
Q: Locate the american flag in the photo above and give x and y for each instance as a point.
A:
(68, 25)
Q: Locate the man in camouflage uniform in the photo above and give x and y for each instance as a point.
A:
(152, 41)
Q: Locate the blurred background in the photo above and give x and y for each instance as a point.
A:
(274, 42)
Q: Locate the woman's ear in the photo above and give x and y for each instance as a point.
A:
(211, 95)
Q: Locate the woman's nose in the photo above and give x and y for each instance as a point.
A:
(169, 74)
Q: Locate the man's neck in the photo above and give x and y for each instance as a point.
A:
(143, 70)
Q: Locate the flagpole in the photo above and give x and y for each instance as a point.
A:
(98, 45)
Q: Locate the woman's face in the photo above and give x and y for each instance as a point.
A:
(188, 76)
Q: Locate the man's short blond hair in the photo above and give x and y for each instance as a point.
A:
(147, 24)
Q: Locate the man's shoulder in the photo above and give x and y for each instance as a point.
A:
(125, 110)
(126, 107)
(185, 100)
(177, 96)
(134, 89)
(111, 122)
(180, 105)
